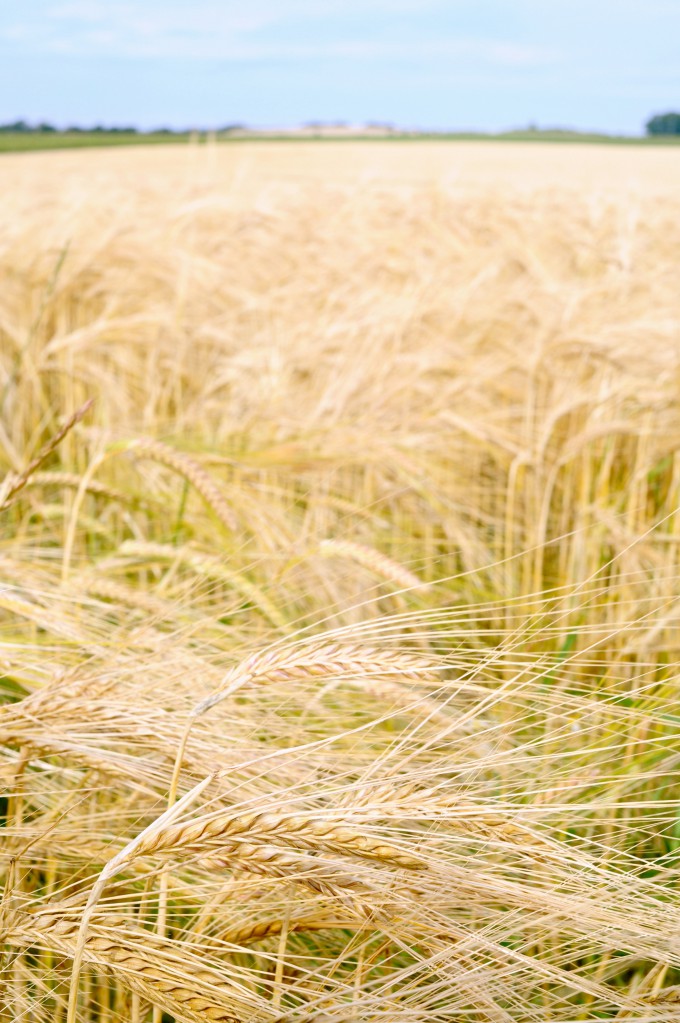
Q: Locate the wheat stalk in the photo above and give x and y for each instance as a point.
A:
(319, 875)
(190, 469)
(117, 593)
(380, 564)
(263, 929)
(320, 660)
(115, 865)
(73, 481)
(175, 980)
(212, 832)
(14, 482)
(211, 568)
(666, 996)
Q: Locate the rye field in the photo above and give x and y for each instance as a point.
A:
(340, 584)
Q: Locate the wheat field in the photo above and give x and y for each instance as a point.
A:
(339, 603)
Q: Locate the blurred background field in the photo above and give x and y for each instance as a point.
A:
(240, 170)
(385, 439)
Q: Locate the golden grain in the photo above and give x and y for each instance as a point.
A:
(243, 777)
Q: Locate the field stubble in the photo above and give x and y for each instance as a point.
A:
(340, 636)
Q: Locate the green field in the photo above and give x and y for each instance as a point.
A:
(17, 142)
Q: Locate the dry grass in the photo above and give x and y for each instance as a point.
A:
(339, 639)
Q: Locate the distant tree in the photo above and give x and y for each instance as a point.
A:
(16, 126)
(664, 124)
(44, 127)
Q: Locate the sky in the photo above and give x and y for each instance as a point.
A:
(438, 64)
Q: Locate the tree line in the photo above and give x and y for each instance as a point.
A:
(43, 127)
(664, 124)
(659, 124)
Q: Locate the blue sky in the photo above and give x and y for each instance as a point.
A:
(483, 64)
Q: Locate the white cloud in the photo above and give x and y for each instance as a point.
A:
(214, 31)
(150, 20)
(214, 16)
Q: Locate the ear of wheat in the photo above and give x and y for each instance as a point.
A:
(190, 469)
(321, 660)
(178, 983)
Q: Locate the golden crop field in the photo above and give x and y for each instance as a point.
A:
(339, 634)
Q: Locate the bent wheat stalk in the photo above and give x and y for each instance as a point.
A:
(319, 875)
(211, 832)
(110, 870)
(313, 660)
(116, 593)
(190, 469)
(175, 981)
(320, 660)
(72, 481)
(264, 929)
(14, 482)
(211, 568)
(372, 559)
